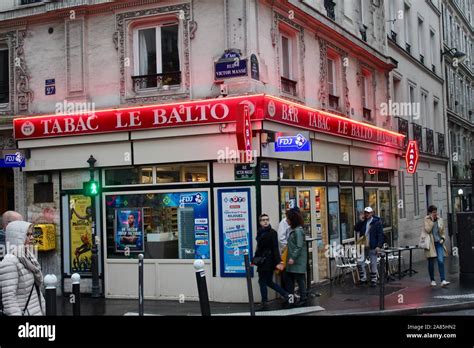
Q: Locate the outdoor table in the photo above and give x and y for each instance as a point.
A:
(410, 271)
(391, 251)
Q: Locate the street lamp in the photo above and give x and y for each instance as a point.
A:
(454, 52)
(91, 189)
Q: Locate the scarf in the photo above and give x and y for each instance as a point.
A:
(261, 231)
(29, 261)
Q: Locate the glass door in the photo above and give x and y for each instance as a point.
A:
(320, 233)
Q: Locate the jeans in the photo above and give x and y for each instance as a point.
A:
(373, 265)
(265, 279)
(300, 279)
(440, 257)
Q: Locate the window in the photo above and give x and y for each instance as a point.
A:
(287, 60)
(346, 201)
(292, 171)
(345, 174)
(302, 171)
(436, 116)
(439, 180)
(421, 43)
(366, 92)
(434, 49)
(416, 197)
(332, 79)
(401, 195)
(407, 27)
(157, 61)
(314, 172)
(384, 207)
(181, 173)
(162, 225)
(370, 196)
(129, 176)
(4, 76)
(424, 107)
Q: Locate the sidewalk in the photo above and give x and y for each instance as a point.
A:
(408, 296)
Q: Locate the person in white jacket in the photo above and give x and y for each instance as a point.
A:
(20, 273)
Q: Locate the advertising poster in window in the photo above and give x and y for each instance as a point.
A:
(80, 220)
(129, 230)
(234, 226)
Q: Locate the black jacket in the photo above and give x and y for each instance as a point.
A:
(376, 235)
(267, 246)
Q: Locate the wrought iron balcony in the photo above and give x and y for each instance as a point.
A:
(433, 68)
(422, 59)
(441, 145)
(27, 2)
(288, 86)
(393, 35)
(408, 48)
(158, 81)
(329, 5)
(429, 141)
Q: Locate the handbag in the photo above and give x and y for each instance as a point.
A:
(258, 260)
(28, 301)
(425, 240)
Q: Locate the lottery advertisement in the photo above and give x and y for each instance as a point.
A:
(81, 233)
(234, 226)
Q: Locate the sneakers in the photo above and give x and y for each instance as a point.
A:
(444, 283)
(433, 283)
(262, 307)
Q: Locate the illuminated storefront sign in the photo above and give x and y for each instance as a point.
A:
(411, 157)
(211, 111)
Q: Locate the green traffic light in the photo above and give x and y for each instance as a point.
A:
(91, 188)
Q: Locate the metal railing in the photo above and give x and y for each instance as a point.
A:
(157, 81)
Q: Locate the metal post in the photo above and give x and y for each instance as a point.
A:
(140, 284)
(94, 257)
(76, 291)
(202, 288)
(249, 283)
(50, 282)
(382, 281)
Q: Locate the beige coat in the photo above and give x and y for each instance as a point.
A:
(428, 227)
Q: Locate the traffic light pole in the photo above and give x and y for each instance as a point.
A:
(95, 256)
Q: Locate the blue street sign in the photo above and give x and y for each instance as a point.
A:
(12, 160)
(49, 90)
(235, 68)
(294, 143)
(50, 82)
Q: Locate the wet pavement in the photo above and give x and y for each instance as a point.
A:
(408, 296)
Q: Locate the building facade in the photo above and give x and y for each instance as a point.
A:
(414, 39)
(162, 95)
(459, 65)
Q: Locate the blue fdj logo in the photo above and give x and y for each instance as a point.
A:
(14, 160)
(292, 144)
(191, 199)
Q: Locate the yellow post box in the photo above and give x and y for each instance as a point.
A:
(45, 236)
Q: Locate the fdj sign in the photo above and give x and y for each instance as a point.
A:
(411, 156)
(12, 160)
(292, 143)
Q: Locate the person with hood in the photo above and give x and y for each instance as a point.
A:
(20, 273)
(296, 267)
(267, 259)
(7, 217)
(371, 232)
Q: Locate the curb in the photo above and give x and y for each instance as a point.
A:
(410, 311)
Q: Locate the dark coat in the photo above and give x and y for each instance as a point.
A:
(297, 250)
(376, 235)
(267, 246)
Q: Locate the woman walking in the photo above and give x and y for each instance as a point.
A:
(20, 273)
(267, 259)
(434, 227)
(297, 256)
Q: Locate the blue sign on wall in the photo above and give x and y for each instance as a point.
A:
(12, 160)
(294, 143)
(230, 65)
(50, 87)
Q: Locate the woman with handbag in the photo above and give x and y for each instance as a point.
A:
(435, 239)
(20, 273)
(267, 259)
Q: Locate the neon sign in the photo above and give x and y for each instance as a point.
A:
(411, 156)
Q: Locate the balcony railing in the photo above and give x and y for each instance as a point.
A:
(422, 59)
(433, 68)
(430, 141)
(27, 2)
(288, 86)
(441, 145)
(408, 48)
(393, 35)
(334, 102)
(158, 81)
(329, 5)
(418, 135)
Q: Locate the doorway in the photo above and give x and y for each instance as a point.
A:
(7, 192)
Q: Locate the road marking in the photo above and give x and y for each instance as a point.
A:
(280, 312)
(454, 297)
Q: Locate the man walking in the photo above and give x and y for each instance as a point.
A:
(371, 234)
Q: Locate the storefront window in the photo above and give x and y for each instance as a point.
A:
(347, 213)
(333, 213)
(332, 174)
(383, 176)
(129, 176)
(370, 175)
(358, 175)
(370, 195)
(288, 199)
(292, 171)
(385, 212)
(172, 225)
(181, 173)
(345, 174)
(314, 172)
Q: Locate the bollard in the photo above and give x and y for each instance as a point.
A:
(382, 281)
(249, 283)
(50, 282)
(76, 291)
(202, 288)
(140, 284)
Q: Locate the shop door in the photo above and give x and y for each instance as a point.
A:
(6, 190)
(305, 197)
(319, 213)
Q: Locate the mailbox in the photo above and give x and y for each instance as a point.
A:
(45, 236)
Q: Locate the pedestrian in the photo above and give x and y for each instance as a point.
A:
(297, 256)
(7, 217)
(283, 232)
(434, 227)
(371, 240)
(267, 259)
(20, 273)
